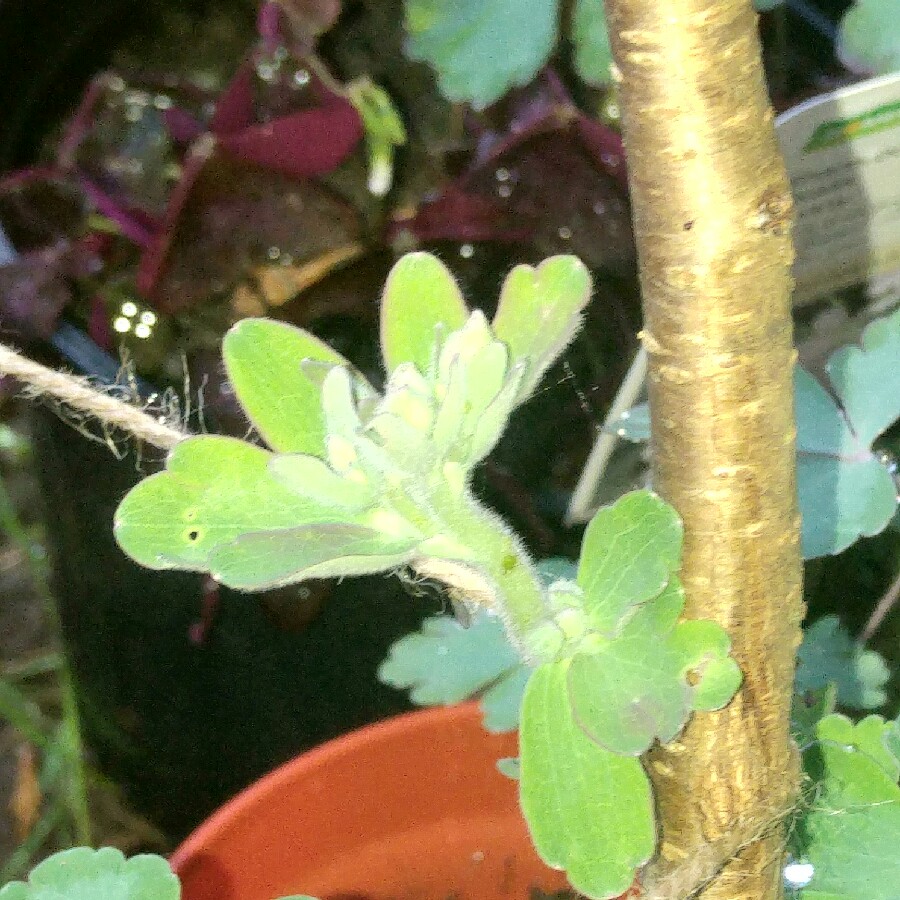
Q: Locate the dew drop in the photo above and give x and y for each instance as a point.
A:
(301, 78)
(609, 160)
(162, 101)
(129, 309)
(478, 856)
(505, 190)
(266, 71)
(502, 174)
(121, 324)
(273, 253)
(466, 251)
(599, 208)
(148, 318)
(564, 232)
(142, 331)
(798, 874)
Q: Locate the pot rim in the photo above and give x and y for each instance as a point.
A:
(295, 769)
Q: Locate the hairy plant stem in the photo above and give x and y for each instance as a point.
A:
(712, 213)
(474, 553)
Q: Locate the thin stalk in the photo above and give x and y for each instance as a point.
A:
(581, 506)
(881, 611)
(76, 787)
(712, 212)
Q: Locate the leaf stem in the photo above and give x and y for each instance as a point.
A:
(476, 554)
(881, 611)
(581, 506)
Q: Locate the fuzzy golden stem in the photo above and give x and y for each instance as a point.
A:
(712, 213)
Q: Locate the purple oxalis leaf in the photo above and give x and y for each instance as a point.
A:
(543, 174)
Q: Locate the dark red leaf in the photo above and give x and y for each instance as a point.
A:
(235, 107)
(308, 143)
(456, 215)
(228, 218)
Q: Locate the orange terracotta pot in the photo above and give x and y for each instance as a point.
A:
(412, 808)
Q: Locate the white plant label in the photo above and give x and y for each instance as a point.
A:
(842, 152)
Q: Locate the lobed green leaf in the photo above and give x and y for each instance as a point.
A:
(629, 551)
(421, 302)
(866, 378)
(85, 874)
(481, 50)
(850, 832)
(259, 561)
(539, 313)
(868, 37)
(637, 687)
(212, 491)
(829, 655)
(263, 360)
(445, 663)
(589, 811)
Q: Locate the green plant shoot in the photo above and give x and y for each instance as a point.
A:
(357, 482)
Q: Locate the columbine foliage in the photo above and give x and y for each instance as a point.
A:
(847, 490)
(85, 874)
(868, 38)
(828, 655)
(467, 42)
(851, 829)
(359, 482)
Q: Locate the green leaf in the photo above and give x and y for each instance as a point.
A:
(628, 553)
(593, 55)
(539, 313)
(421, 302)
(866, 378)
(807, 709)
(842, 501)
(212, 491)
(263, 360)
(868, 37)
(313, 478)
(501, 705)
(851, 830)
(86, 874)
(636, 688)
(844, 490)
(445, 663)
(828, 655)
(481, 50)
(589, 811)
(262, 560)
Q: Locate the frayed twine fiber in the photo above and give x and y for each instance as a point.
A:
(77, 393)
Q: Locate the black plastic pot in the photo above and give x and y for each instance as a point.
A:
(185, 720)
